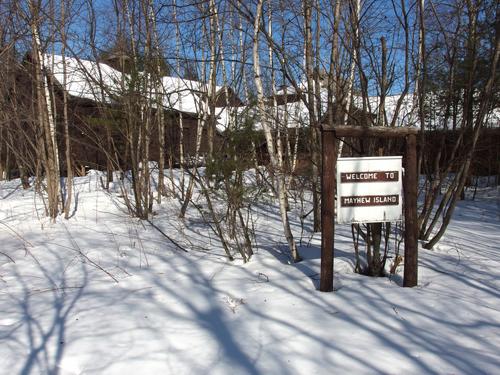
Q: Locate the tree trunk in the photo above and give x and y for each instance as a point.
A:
(67, 140)
(275, 164)
(45, 117)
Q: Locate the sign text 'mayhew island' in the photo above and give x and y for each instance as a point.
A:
(369, 200)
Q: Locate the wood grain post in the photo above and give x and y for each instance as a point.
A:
(329, 158)
(410, 206)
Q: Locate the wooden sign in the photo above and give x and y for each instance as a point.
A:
(372, 177)
(369, 189)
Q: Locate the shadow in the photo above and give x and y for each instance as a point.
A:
(12, 191)
(207, 314)
(42, 315)
(197, 313)
(43, 340)
(75, 204)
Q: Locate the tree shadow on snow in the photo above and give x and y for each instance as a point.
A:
(42, 315)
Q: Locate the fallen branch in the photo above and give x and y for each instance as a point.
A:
(167, 237)
(80, 252)
(8, 257)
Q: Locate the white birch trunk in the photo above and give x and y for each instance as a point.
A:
(204, 108)
(46, 118)
(182, 162)
(352, 66)
(273, 155)
(69, 167)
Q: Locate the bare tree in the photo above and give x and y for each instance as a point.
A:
(475, 104)
(67, 140)
(274, 154)
(45, 113)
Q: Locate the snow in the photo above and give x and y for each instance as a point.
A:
(406, 116)
(85, 79)
(101, 83)
(172, 312)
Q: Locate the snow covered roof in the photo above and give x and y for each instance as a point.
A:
(101, 83)
(85, 79)
(182, 95)
(295, 107)
(406, 115)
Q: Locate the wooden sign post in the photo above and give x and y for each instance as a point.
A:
(328, 183)
(410, 188)
(327, 209)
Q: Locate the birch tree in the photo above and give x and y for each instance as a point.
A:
(45, 113)
(475, 101)
(204, 106)
(274, 154)
(313, 103)
(67, 140)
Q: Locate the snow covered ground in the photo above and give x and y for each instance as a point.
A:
(103, 293)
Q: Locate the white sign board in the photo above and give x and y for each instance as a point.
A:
(369, 189)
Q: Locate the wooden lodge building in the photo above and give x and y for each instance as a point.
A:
(97, 99)
(97, 96)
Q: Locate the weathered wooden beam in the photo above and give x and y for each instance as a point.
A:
(327, 209)
(410, 206)
(370, 131)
